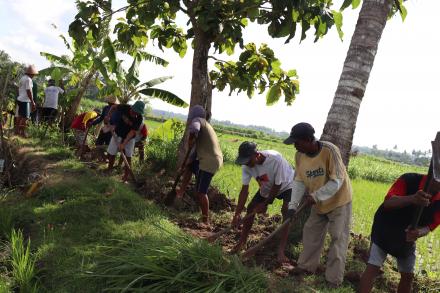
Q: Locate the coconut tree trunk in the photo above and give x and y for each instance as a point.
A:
(341, 120)
(77, 100)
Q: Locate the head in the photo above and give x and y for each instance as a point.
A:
(137, 109)
(97, 111)
(196, 111)
(247, 154)
(31, 71)
(51, 82)
(111, 100)
(302, 136)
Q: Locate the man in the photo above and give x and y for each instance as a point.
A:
(50, 105)
(205, 161)
(275, 178)
(321, 173)
(391, 234)
(105, 133)
(127, 122)
(25, 99)
(79, 126)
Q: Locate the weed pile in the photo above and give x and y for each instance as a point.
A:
(175, 263)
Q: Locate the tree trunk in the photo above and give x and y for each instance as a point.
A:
(341, 120)
(70, 115)
(201, 87)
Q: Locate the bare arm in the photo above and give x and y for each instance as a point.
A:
(420, 198)
(244, 192)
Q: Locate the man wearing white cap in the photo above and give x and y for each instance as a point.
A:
(25, 99)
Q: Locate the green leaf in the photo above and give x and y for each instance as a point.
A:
(101, 68)
(402, 10)
(110, 53)
(292, 73)
(346, 4)
(355, 3)
(165, 96)
(337, 17)
(156, 81)
(244, 21)
(295, 15)
(276, 66)
(56, 74)
(253, 13)
(273, 95)
(57, 59)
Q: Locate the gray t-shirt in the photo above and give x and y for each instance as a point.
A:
(275, 170)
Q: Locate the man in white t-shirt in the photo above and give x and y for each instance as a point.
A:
(25, 99)
(50, 105)
(275, 178)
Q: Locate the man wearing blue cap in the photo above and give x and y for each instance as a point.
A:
(129, 119)
(205, 161)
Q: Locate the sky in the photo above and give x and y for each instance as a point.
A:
(401, 102)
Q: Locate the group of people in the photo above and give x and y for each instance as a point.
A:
(123, 130)
(26, 104)
(320, 180)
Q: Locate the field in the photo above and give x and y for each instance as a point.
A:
(371, 178)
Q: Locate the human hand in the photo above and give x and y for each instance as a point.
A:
(421, 198)
(309, 200)
(121, 147)
(412, 234)
(34, 106)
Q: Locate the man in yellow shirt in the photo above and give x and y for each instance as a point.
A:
(321, 176)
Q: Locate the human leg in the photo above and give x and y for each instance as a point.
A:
(339, 229)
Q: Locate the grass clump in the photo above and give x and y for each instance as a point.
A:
(175, 263)
(22, 263)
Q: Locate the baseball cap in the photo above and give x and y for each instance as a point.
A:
(196, 111)
(138, 107)
(245, 152)
(301, 130)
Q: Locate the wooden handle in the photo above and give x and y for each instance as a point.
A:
(251, 251)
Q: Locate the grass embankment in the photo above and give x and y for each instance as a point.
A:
(91, 233)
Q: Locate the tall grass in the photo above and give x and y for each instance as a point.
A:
(6, 222)
(175, 263)
(22, 263)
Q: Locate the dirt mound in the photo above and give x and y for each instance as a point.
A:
(157, 186)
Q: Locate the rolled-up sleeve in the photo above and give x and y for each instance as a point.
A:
(298, 190)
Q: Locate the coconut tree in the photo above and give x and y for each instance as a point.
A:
(341, 120)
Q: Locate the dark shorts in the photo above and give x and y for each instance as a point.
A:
(104, 138)
(49, 114)
(24, 110)
(285, 196)
(203, 178)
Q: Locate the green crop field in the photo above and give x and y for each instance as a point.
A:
(371, 178)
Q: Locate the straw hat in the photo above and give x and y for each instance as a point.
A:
(111, 100)
(31, 69)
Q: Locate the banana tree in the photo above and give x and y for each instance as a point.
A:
(125, 84)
